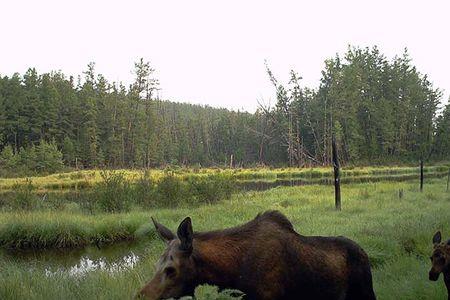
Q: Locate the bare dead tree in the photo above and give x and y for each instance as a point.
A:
(286, 138)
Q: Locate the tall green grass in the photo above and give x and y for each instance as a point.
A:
(66, 229)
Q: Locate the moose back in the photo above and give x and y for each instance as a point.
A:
(264, 258)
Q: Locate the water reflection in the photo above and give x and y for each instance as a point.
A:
(261, 185)
(79, 262)
(87, 265)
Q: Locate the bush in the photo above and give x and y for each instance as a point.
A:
(114, 193)
(211, 188)
(144, 190)
(171, 190)
(208, 292)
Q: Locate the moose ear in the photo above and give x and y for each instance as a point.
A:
(437, 238)
(164, 233)
(186, 235)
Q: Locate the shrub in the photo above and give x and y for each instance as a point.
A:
(208, 292)
(211, 188)
(171, 190)
(144, 190)
(114, 193)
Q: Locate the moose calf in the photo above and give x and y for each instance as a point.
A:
(264, 258)
(440, 260)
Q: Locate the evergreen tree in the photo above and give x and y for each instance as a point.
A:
(378, 109)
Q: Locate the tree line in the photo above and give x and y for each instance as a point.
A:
(378, 109)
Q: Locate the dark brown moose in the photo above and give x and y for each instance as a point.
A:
(264, 258)
(440, 260)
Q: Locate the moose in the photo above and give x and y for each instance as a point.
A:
(264, 258)
(440, 260)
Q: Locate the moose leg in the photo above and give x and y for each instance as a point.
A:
(447, 283)
(361, 286)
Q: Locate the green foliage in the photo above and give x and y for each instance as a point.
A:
(68, 150)
(7, 159)
(114, 193)
(66, 229)
(145, 190)
(47, 157)
(171, 190)
(382, 110)
(442, 145)
(378, 108)
(208, 292)
(43, 158)
(211, 188)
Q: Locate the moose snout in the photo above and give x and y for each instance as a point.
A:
(433, 276)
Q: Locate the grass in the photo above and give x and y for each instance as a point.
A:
(396, 234)
(77, 180)
(66, 229)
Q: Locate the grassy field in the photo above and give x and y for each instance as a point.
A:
(396, 233)
(84, 179)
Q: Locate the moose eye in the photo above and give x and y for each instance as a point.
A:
(170, 271)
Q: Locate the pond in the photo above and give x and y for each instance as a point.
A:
(261, 185)
(78, 262)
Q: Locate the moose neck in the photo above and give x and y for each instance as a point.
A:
(217, 261)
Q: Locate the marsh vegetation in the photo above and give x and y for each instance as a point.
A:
(395, 232)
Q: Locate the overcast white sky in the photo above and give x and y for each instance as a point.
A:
(213, 52)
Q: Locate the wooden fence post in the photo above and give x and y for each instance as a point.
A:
(337, 181)
(448, 178)
(421, 174)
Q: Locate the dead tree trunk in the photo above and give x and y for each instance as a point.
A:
(421, 174)
(337, 181)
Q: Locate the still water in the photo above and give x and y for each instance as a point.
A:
(78, 262)
(261, 185)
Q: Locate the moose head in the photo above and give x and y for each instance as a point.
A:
(440, 258)
(175, 271)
